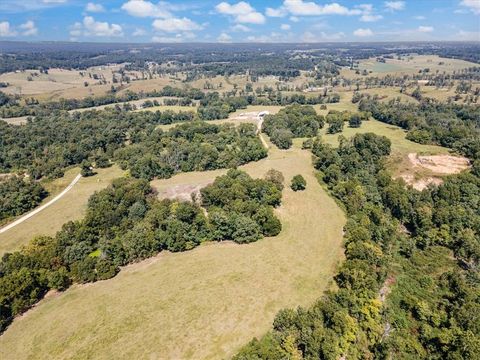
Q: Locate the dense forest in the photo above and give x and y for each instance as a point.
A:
(293, 121)
(126, 223)
(261, 59)
(194, 146)
(19, 195)
(409, 284)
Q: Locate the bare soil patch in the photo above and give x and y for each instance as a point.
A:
(440, 164)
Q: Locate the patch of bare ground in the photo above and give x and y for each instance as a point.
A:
(421, 184)
(440, 164)
(428, 170)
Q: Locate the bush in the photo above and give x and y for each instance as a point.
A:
(298, 183)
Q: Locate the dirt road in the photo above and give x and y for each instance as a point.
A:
(40, 208)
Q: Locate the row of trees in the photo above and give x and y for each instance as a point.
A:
(126, 223)
(400, 294)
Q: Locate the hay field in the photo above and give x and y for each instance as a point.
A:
(408, 65)
(200, 304)
(70, 207)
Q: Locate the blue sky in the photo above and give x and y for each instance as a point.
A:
(239, 21)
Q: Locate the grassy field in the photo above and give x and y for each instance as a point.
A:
(401, 147)
(69, 207)
(201, 304)
(408, 65)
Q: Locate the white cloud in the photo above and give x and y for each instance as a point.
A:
(473, 5)
(181, 37)
(5, 29)
(54, 1)
(224, 38)
(310, 8)
(467, 36)
(425, 29)
(280, 12)
(370, 17)
(90, 27)
(394, 5)
(140, 8)
(139, 32)
(363, 32)
(29, 28)
(285, 27)
(241, 28)
(94, 8)
(322, 36)
(294, 19)
(419, 17)
(173, 25)
(242, 12)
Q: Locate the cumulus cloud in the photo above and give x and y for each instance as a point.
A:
(285, 27)
(419, 17)
(472, 5)
(224, 38)
(139, 32)
(141, 8)
(173, 25)
(311, 8)
(394, 5)
(6, 30)
(425, 29)
(54, 1)
(90, 27)
(180, 37)
(363, 32)
(322, 36)
(29, 28)
(467, 36)
(94, 8)
(241, 28)
(242, 12)
(280, 12)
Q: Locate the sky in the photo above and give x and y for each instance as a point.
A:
(239, 21)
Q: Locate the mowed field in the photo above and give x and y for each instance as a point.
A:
(200, 304)
(70, 207)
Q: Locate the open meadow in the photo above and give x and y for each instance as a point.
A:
(204, 303)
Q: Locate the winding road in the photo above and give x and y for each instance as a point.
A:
(42, 207)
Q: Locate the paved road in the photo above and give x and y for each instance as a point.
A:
(40, 208)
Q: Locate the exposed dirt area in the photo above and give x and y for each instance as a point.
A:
(426, 170)
(182, 192)
(440, 164)
(420, 184)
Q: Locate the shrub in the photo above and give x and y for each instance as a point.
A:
(298, 183)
